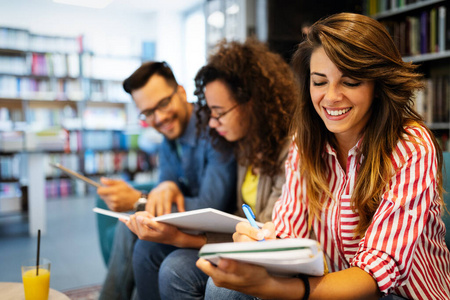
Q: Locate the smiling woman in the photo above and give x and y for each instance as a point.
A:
(343, 103)
(225, 116)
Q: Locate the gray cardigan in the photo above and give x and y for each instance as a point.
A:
(268, 192)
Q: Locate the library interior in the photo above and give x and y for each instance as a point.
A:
(62, 101)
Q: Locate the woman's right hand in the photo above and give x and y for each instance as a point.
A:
(247, 233)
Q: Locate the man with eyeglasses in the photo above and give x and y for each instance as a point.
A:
(192, 174)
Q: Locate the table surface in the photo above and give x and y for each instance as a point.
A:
(14, 291)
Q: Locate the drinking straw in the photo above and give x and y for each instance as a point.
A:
(38, 247)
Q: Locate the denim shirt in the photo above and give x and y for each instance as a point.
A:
(205, 176)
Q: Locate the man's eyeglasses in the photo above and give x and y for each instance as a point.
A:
(162, 105)
(220, 115)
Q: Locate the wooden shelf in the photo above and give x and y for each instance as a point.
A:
(427, 57)
(439, 126)
(405, 9)
(12, 52)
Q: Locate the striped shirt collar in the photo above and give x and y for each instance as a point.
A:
(355, 150)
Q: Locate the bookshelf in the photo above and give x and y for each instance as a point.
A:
(421, 31)
(380, 9)
(63, 102)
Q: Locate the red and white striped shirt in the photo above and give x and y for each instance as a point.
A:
(404, 247)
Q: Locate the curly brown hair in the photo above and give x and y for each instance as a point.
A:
(266, 89)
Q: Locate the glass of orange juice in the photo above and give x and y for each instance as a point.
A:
(36, 279)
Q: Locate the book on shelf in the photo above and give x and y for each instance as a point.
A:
(14, 65)
(55, 64)
(12, 141)
(10, 197)
(444, 26)
(9, 167)
(62, 57)
(373, 7)
(109, 162)
(51, 139)
(429, 100)
(424, 32)
(14, 38)
(73, 65)
(433, 45)
(433, 104)
(414, 35)
(420, 33)
(111, 118)
(46, 43)
(59, 64)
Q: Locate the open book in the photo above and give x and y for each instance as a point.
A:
(280, 257)
(194, 221)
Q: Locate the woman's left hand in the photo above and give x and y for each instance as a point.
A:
(245, 278)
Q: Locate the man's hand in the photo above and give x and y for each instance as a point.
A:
(162, 197)
(145, 228)
(143, 225)
(117, 194)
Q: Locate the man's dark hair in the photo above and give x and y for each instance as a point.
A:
(141, 76)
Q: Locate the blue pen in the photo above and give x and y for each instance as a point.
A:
(250, 216)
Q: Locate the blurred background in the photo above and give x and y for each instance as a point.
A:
(62, 63)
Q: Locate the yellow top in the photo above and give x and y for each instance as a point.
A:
(249, 188)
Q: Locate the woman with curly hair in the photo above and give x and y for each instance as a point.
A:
(246, 95)
(363, 178)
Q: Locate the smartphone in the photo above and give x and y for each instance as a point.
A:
(76, 175)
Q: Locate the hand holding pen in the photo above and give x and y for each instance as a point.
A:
(252, 220)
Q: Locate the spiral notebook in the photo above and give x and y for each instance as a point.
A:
(284, 257)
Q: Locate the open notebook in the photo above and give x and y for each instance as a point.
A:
(280, 257)
(194, 221)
